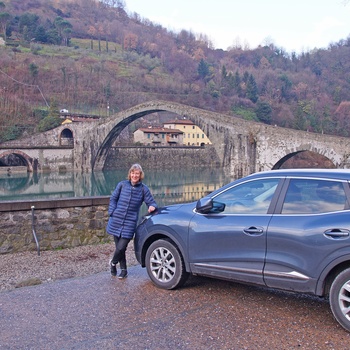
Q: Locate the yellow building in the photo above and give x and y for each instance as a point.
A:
(192, 134)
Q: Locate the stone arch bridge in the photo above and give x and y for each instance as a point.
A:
(241, 147)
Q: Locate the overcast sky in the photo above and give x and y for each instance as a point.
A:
(295, 25)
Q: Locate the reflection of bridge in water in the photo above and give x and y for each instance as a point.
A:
(167, 186)
(241, 147)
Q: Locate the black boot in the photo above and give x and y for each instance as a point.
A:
(113, 268)
(123, 274)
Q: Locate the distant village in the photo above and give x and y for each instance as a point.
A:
(176, 132)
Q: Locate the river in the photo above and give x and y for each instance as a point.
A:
(167, 186)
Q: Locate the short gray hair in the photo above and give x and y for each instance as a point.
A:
(134, 167)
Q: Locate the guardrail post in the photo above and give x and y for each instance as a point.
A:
(33, 231)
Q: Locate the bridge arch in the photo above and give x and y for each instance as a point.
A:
(326, 162)
(23, 158)
(66, 137)
(107, 143)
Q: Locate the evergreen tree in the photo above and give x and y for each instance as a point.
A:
(223, 73)
(53, 110)
(245, 77)
(34, 70)
(299, 121)
(53, 36)
(40, 34)
(252, 89)
(64, 29)
(264, 112)
(28, 24)
(235, 82)
(52, 120)
(203, 69)
(286, 87)
(4, 19)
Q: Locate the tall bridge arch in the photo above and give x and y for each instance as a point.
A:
(99, 160)
(242, 147)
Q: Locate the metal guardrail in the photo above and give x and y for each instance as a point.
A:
(33, 231)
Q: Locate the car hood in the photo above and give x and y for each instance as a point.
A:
(175, 207)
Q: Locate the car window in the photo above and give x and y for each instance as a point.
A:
(253, 197)
(305, 196)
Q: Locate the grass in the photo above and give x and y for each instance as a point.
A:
(245, 113)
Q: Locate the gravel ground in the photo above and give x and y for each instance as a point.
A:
(27, 268)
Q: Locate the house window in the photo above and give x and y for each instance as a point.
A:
(202, 136)
(193, 127)
(148, 136)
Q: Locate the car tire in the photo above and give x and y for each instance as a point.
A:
(339, 299)
(165, 265)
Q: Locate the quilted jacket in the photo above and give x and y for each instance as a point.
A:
(124, 207)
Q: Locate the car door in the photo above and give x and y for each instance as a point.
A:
(310, 229)
(232, 244)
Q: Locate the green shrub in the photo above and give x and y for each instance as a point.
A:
(49, 123)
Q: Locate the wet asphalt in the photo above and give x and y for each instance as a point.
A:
(102, 312)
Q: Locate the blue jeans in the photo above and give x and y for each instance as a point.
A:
(120, 248)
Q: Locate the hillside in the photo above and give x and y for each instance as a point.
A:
(93, 57)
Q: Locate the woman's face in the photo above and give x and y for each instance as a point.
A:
(135, 176)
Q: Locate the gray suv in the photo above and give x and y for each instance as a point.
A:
(284, 229)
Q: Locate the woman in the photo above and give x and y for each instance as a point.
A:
(123, 211)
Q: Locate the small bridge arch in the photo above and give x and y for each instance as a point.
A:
(21, 158)
(66, 137)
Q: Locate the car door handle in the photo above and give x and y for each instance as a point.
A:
(337, 233)
(252, 230)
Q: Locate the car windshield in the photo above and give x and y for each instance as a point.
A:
(253, 197)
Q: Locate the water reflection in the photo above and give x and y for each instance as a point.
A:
(167, 186)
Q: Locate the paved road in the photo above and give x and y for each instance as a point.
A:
(101, 312)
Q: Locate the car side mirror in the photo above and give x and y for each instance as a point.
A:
(204, 205)
(207, 205)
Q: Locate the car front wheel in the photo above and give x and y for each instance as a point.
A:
(165, 265)
(339, 298)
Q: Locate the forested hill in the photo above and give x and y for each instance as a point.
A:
(94, 57)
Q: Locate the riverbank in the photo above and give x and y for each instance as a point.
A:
(27, 268)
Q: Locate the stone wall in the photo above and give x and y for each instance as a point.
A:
(58, 223)
(163, 157)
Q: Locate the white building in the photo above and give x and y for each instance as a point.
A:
(154, 136)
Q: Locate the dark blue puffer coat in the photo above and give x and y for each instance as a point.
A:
(124, 207)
